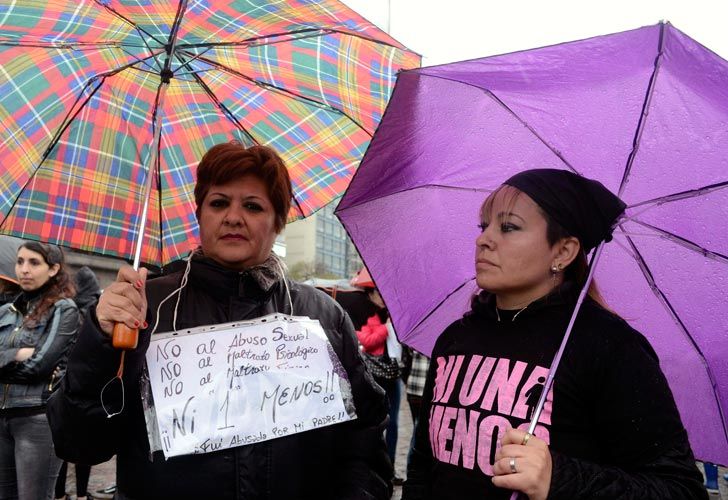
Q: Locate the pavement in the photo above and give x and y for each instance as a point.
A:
(103, 475)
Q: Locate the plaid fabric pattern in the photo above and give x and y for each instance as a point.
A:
(418, 374)
(78, 89)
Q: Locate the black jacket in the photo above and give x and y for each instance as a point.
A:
(343, 461)
(612, 426)
(28, 384)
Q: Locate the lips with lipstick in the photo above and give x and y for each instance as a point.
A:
(233, 237)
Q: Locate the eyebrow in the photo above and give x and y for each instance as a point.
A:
(248, 197)
(509, 214)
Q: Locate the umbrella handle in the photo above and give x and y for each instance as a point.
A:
(124, 337)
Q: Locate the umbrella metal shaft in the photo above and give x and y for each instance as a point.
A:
(557, 358)
(150, 171)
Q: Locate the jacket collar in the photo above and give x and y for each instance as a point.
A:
(254, 282)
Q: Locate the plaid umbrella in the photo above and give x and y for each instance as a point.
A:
(95, 95)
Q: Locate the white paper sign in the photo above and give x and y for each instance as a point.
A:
(229, 385)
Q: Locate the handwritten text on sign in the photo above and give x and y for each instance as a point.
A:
(228, 385)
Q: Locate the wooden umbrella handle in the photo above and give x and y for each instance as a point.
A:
(124, 337)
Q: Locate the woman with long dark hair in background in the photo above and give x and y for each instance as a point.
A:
(37, 330)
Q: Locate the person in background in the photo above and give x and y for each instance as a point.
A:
(9, 289)
(9, 286)
(243, 196)
(372, 336)
(609, 427)
(88, 291)
(415, 386)
(370, 316)
(37, 330)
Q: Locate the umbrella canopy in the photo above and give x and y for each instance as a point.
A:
(644, 112)
(85, 120)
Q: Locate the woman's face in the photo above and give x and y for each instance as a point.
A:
(237, 223)
(32, 270)
(513, 258)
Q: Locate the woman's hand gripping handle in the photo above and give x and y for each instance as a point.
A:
(122, 308)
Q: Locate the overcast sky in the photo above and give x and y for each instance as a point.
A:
(454, 30)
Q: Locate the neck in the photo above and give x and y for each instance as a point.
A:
(33, 294)
(515, 301)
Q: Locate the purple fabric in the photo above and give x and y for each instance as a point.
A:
(647, 123)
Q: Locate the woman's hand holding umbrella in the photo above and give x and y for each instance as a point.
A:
(523, 467)
(124, 303)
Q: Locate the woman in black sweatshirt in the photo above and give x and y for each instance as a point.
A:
(609, 427)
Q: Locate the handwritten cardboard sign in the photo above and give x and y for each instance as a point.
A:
(229, 385)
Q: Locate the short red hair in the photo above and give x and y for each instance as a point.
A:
(228, 161)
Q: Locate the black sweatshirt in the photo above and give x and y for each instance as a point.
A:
(610, 419)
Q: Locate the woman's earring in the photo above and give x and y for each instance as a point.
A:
(555, 269)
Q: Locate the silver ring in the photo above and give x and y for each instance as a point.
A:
(512, 463)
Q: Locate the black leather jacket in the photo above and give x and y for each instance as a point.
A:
(343, 461)
(28, 384)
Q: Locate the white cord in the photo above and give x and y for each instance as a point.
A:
(178, 291)
(183, 283)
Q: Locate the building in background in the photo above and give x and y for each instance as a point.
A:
(318, 246)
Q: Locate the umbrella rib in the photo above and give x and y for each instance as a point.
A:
(131, 23)
(690, 245)
(644, 268)
(218, 103)
(85, 46)
(64, 45)
(523, 122)
(298, 205)
(192, 57)
(643, 115)
(227, 113)
(287, 36)
(70, 116)
(532, 130)
(81, 46)
(115, 71)
(432, 310)
(683, 194)
(288, 93)
(282, 37)
(181, 10)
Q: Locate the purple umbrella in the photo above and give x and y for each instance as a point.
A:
(643, 111)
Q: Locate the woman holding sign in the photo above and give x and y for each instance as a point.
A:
(243, 197)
